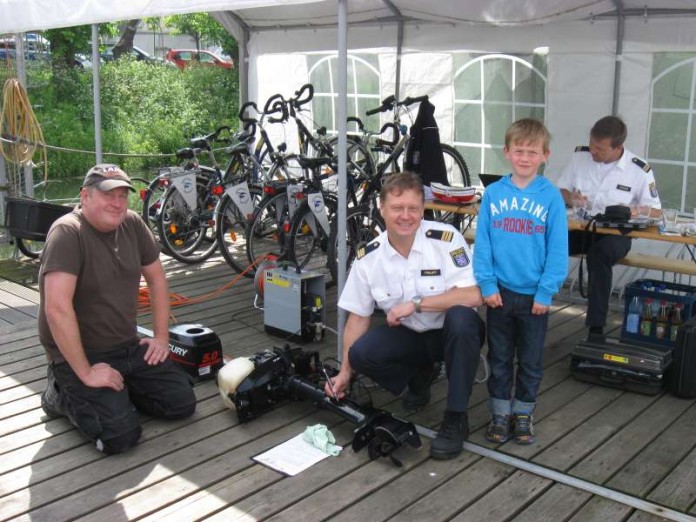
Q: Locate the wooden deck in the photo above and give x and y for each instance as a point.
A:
(200, 468)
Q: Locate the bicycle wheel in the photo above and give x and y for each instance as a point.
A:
(152, 198)
(363, 224)
(230, 228)
(308, 242)
(29, 247)
(188, 235)
(457, 170)
(265, 237)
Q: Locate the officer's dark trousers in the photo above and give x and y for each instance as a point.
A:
(391, 356)
(109, 417)
(601, 257)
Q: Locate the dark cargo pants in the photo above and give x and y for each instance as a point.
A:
(110, 418)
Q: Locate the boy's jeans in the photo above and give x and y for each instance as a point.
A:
(513, 330)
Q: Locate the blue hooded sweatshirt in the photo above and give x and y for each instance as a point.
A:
(521, 239)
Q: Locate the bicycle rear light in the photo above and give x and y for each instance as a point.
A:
(217, 190)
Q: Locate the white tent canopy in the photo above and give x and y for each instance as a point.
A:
(601, 55)
(588, 42)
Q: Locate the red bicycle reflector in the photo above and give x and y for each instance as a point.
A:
(143, 194)
(217, 190)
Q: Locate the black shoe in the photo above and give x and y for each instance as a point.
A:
(418, 392)
(453, 432)
(51, 398)
(596, 330)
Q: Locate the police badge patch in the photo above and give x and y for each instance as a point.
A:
(653, 190)
(459, 257)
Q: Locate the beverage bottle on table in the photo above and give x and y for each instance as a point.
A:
(662, 324)
(633, 316)
(676, 322)
(646, 318)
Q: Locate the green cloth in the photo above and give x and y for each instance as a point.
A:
(320, 437)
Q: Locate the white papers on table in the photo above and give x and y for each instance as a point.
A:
(292, 456)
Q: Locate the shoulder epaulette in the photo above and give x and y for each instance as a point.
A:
(642, 164)
(364, 250)
(442, 235)
(582, 148)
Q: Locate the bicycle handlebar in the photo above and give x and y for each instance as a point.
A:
(357, 121)
(389, 103)
(274, 104)
(298, 101)
(242, 111)
(386, 105)
(395, 135)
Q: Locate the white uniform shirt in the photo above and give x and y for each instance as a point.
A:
(440, 260)
(624, 182)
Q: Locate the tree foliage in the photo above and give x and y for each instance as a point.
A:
(204, 29)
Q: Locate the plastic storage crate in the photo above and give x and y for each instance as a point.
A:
(658, 291)
(31, 219)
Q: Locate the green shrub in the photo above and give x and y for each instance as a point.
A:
(146, 109)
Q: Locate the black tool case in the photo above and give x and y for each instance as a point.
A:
(611, 362)
(682, 379)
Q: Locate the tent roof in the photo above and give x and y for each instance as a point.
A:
(251, 15)
(496, 12)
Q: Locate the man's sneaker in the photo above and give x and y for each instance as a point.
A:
(418, 392)
(453, 432)
(499, 428)
(51, 398)
(522, 428)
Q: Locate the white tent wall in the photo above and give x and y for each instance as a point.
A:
(581, 63)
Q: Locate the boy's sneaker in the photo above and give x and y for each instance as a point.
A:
(418, 392)
(453, 432)
(522, 428)
(499, 428)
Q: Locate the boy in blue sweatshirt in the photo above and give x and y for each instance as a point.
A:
(520, 262)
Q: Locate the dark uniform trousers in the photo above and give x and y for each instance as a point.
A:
(109, 417)
(601, 258)
(391, 356)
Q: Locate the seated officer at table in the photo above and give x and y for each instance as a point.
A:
(605, 173)
(419, 272)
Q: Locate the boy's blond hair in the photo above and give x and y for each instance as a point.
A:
(527, 130)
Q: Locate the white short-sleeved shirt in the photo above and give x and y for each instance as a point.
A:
(440, 260)
(629, 181)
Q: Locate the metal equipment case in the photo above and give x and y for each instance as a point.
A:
(611, 362)
(293, 303)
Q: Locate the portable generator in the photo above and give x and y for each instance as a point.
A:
(293, 303)
(195, 348)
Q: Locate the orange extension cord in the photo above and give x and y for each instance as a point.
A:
(181, 300)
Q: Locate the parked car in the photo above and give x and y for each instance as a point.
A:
(137, 53)
(185, 57)
(8, 55)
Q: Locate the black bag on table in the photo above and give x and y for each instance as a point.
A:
(682, 382)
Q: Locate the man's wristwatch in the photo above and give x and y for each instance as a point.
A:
(417, 302)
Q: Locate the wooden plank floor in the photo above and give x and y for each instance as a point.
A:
(200, 468)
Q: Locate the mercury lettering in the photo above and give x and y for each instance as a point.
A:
(176, 350)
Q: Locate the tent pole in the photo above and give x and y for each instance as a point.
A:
(243, 67)
(620, 27)
(342, 109)
(96, 90)
(22, 77)
(399, 50)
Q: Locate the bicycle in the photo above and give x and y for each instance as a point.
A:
(365, 222)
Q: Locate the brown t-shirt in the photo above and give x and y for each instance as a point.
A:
(108, 268)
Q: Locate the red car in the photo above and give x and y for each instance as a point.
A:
(185, 57)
